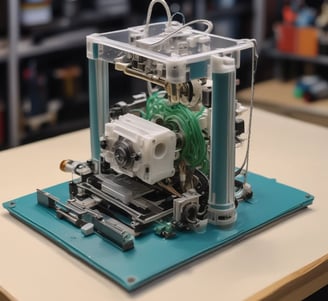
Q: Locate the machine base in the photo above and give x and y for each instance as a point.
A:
(154, 256)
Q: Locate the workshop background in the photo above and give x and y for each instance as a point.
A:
(43, 64)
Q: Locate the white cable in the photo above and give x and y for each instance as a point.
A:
(253, 70)
(150, 11)
(169, 21)
(204, 21)
(149, 88)
(181, 15)
(254, 66)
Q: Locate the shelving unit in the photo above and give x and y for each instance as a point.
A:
(22, 48)
(276, 54)
(57, 43)
(234, 18)
(281, 58)
(277, 94)
(17, 50)
(13, 73)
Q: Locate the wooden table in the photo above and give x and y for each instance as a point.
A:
(264, 264)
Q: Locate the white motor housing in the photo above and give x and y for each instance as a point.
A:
(141, 148)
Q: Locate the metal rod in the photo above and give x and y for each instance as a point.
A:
(13, 73)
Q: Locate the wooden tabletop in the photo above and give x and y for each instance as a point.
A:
(293, 152)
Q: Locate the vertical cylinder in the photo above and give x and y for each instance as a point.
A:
(221, 201)
(13, 73)
(103, 98)
(93, 111)
(98, 103)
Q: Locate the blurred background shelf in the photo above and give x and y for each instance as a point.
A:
(32, 55)
(51, 57)
(46, 60)
(286, 66)
(269, 50)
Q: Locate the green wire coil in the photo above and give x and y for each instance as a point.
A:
(194, 150)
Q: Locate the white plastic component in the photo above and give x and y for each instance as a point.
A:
(222, 65)
(151, 148)
(87, 229)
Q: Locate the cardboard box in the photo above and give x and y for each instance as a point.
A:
(298, 40)
(285, 37)
(307, 41)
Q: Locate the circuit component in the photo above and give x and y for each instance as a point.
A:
(164, 229)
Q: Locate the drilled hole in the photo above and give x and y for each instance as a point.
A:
(131, 279)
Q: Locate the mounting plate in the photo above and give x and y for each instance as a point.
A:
(154, 256)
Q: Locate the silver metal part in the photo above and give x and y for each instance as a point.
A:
(113, 230)
(188, 93)
(186, 207)
(123, 187)
(88, 220)
(86, 203)
(46, 199)
(135, 215)
(77, 167)
(127, 69)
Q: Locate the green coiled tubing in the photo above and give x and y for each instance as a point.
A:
(194, 150)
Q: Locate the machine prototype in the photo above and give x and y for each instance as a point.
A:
(163, 169)
(166, 161)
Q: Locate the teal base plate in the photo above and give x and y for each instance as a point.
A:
(154, 256)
